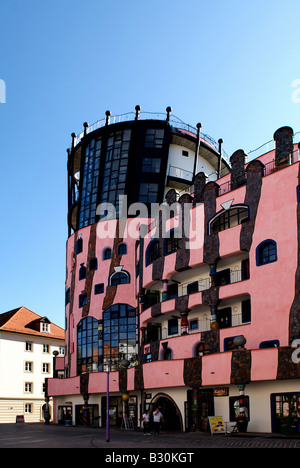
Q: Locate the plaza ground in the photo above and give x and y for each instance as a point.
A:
(54, 436)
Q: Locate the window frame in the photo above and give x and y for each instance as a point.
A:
(259, 252)
(225, 217)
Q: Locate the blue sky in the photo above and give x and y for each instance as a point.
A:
(229, 65)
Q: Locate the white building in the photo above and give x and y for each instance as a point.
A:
(27, 343)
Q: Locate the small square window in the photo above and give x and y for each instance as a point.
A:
(99, 288)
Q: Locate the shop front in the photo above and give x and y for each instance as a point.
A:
(119, 409)
(285, 408)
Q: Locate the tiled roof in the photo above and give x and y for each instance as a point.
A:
(23, 320)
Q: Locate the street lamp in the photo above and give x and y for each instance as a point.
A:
(124, 363)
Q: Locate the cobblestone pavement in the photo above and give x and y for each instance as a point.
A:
(53, 436)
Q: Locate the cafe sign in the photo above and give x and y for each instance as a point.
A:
(221, 391)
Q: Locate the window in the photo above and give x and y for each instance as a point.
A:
(45, 327)
(154, 138)
(202, 349)
(82, 272)
(107, 254)
(28, 387)
(173, 326)
(121, 277)
(122, 249)
(115, 167)
(151, 165)
(234, 407)
(224, 317)
(192, 288)
(90, 178)
(82, 300)
(185, 153)
(45, 368)
(172, 243)
(172, 291)
(28, 408)
(153, 252)
(79, 245)
(266, 252)
(167, 354)
(28, 366)
(228, 219)
(269, 344)
(148, 192)
(119, 334)
(99, 288)
(193, 324)
(93, 264)
(28, 346)
(88, 342)
(68, 296)
(46, 348)
(246, 311)
(222, 277)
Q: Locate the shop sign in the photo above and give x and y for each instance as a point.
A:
(222, 391)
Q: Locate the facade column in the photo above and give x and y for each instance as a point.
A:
(165, 291)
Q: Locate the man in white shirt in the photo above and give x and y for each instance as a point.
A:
(146, 422)
(157, 419)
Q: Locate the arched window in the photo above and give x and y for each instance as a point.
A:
(107, 254)
(153, 252)
(266, 252)
(202, 349)
(228, 219)
(87, 345)
(172, 243)
(82, 272)
(122, 249)
(94, 263)
(120, 277)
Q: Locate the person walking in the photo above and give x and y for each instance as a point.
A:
(157, 419)
(146, 422)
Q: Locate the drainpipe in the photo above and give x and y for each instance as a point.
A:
(197, 150)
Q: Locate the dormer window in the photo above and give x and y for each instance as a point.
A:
(45, 327)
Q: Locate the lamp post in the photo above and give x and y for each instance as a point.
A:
(107, 404)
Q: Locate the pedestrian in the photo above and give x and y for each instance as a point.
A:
(145, 419)
(157, 419)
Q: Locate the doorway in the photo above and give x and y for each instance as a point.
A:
(199, 405)
(285, 413)
(170, 411)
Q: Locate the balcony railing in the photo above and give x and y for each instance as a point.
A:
(203, 284)
(175, 122)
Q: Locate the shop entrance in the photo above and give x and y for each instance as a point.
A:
(170, 412)
(117, 410)
(87, 418)
(199, 405)
(285, 413)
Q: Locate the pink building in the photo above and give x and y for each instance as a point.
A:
(192, 307)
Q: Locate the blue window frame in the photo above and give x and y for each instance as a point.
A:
(266, 252)
(121, 277)
(173, 327)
